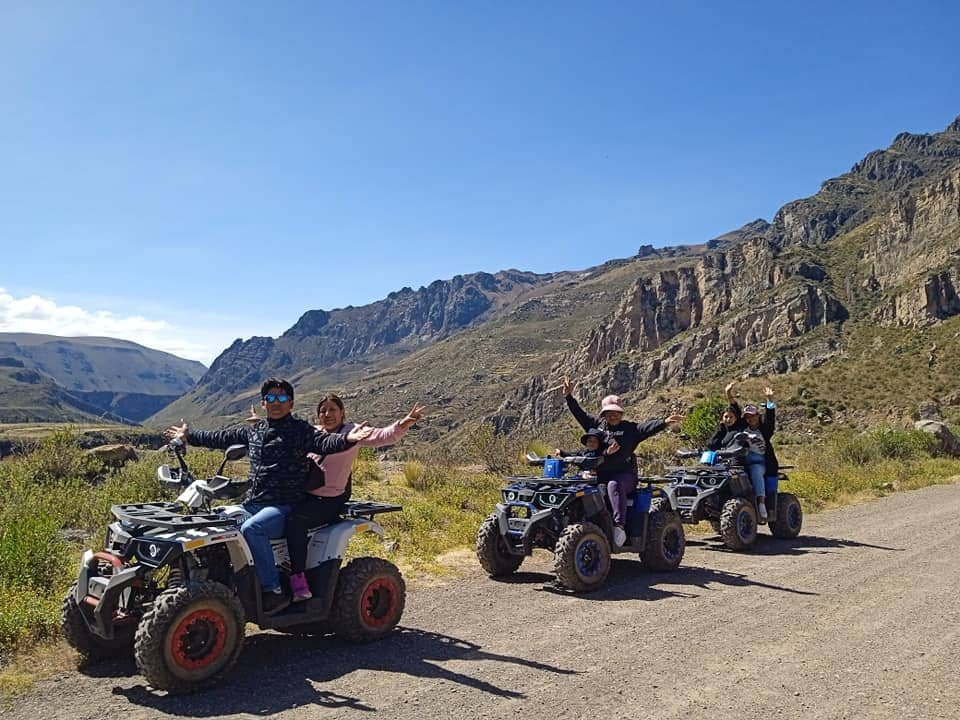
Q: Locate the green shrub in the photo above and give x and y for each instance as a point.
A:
(32, 553)
(26, 616)
(702, 420)
(903, 444)
(366, 454)
(60, 458)
(496, 453)
(856, 450)
(540, 448)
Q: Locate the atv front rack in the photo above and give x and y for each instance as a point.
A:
(164, 515)
(540, 480)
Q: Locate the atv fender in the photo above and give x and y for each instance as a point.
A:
(593, 505)
(330, 543)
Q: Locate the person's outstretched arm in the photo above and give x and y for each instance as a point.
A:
(394, 431)
(217, 439)
(586, 420)
(769, 425)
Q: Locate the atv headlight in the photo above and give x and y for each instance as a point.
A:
(509, 495)
(551, 499)
(151, 552)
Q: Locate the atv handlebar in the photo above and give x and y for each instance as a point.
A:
(725, 453)
(578, 460)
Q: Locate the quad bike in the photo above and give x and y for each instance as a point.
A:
(176, 582)
(718, 489)
(569, 515)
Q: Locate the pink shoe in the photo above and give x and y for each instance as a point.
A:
(299, 587)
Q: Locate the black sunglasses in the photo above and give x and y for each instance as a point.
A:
(273, 397)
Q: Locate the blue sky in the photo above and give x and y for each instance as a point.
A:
(183, 174)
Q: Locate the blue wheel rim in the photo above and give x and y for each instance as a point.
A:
(745, 525)
(588, 557)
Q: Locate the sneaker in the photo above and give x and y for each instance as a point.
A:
(299, 587)
(619, 536)
(274, 601)
(762, 511)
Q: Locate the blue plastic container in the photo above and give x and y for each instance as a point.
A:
(552, 468)
(637, 508)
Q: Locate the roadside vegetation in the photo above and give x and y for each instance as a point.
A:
(56, 500)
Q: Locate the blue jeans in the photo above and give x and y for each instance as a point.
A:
(268, 522)
(757, 469)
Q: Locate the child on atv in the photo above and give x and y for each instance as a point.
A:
(595, 442)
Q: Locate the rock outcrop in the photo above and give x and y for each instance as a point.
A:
(767, 285)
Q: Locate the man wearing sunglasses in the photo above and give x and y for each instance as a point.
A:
(277, 448)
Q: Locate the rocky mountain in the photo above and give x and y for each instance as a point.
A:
(358, 336)
(880, 244)
(862, 276)
(89, 377)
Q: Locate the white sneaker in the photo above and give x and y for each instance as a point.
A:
(762, 510)
(619, 536)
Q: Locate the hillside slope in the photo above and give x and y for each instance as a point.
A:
(111, 376)
(875, 254)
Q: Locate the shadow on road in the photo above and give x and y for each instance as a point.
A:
(802, 545)
(628, 580)
(278, 672)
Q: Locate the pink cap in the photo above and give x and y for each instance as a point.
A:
(611, 403)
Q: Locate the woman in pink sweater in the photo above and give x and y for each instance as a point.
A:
(324, 504)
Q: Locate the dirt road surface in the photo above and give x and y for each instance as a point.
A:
(857, 618)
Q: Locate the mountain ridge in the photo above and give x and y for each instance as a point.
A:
(96, 377)
(875, 245)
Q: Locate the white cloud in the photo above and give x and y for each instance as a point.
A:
(36, 314)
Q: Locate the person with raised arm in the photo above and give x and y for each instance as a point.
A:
(277, 448)
(749, 427)
(619, 468)
(324, 503)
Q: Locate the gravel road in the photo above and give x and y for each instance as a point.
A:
(857, 618)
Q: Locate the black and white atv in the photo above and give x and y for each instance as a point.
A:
(176, 583)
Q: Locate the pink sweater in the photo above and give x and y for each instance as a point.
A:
(336, 467)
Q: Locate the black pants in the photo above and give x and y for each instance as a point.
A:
(313, 511)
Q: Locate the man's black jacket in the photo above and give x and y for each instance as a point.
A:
(278, 455)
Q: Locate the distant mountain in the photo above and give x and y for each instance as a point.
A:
(29, 396)
(89, 377)
(851, 288)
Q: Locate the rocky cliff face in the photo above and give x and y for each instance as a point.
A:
(914, 255)
(880, 243)
(897, 211)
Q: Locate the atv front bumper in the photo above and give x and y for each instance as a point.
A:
(99, 595)
(517, 522)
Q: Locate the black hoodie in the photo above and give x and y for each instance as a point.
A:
(627, 434)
